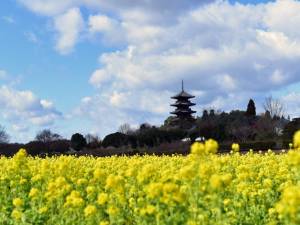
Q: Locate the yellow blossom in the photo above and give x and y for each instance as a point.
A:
(33, 192)
(198, 148)
(16, 214)
(43, 210)
(235, 147)
(90, 210)
(104, 223)
(17, 202)
(211, 146)
(102, 198)
(296, 140)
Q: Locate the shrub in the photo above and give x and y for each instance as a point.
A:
(78, 142)
(60, 146)
(115, 140)
(36, 147)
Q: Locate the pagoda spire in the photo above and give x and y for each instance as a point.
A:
(182, 88)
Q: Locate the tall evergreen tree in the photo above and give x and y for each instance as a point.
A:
(205, 115)
(251, 109)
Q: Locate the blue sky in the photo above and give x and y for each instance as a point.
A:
(89, 66)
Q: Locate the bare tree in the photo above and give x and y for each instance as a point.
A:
(274, 106)
(4, 137)
(90, 138)
(47, 135)
(125, 129)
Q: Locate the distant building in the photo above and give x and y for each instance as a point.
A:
(183, 112)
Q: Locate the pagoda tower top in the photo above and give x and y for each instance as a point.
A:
(182, 94)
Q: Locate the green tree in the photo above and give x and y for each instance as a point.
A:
(78, 141)
(251, 109)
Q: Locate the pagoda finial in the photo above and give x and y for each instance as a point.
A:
(182, 85)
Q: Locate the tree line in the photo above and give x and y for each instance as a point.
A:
(266, 130)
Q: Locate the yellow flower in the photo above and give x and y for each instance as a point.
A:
(226, 178)
(23, 181)
(215, 181)
(74, 199)
(17, 202)
(98, 173)
(90, 190)
(16, 214)
(235, 147)
(211, 146)
(150, 209)
(90, 210)
(154, 190)
(271, 211)
(21, 153)
(296, 140)
(81, 181)
(112, 181)
(43, 210)
(198, 148)
(226, 202)
(102, 198)
(33, 192)
(104, 223)
(112, 210)
(267, 183)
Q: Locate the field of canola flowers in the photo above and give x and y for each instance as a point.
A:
(202, 188)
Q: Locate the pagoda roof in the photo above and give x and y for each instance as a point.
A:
(183, 104)
(183, 94)
(183, 111)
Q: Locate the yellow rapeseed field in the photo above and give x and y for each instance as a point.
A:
(202, 188)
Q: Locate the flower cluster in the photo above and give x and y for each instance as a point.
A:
(201, 188)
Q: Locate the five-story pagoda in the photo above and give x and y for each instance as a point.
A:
(184, 114)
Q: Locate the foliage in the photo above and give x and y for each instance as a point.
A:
(59, 146)
(115, 140)
(78, 141)
(202, 188)
(251, 109)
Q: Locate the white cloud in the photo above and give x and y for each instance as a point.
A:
(20, 128)
(226, 82)
(68, 25)
(19, 107)
(161, 8)
(110, 110)
(46, 104)
(226, 52)
(277, 77)
(280, 43)
(48, 7)
(101, 23)
(283, 16)
(98, 77)
(291, 102)
(144, 101)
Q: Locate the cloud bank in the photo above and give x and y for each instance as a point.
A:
(225, 52)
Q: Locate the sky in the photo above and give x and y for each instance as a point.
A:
(89, 66)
